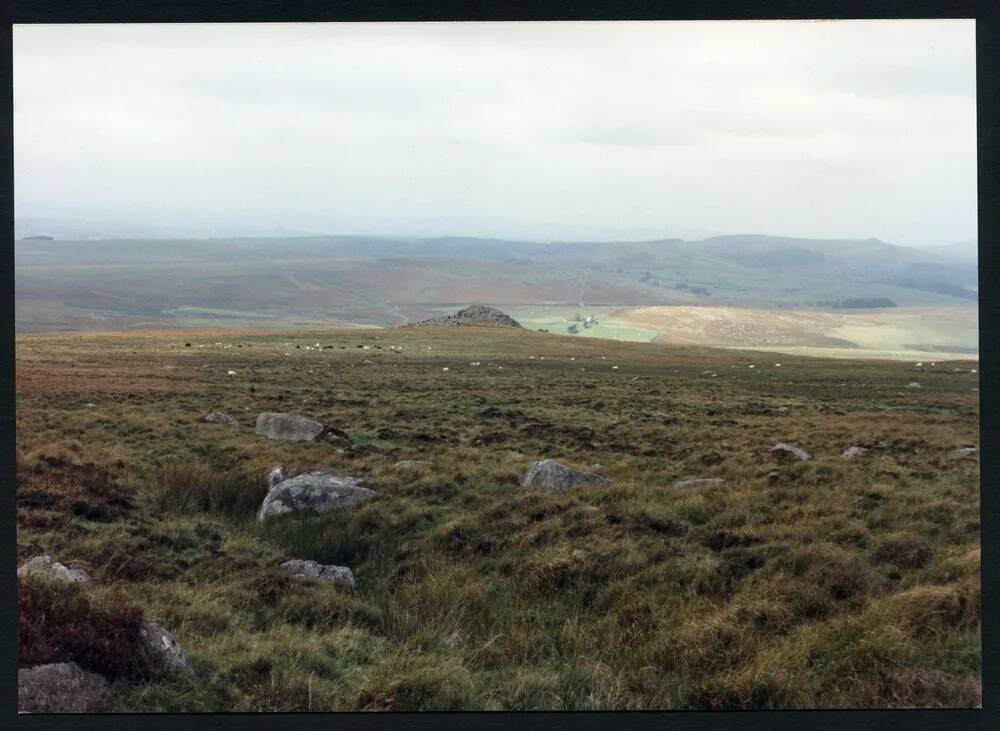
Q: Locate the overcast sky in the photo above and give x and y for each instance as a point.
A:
(544, 131)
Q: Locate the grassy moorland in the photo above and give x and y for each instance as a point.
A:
(825, 583)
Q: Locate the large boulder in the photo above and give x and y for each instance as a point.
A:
(313, 492)
(557, 478)
(162, 651)
(62, 687)
(288, 426)
(324, 572)
(45, 565)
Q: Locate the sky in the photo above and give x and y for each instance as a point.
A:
(534, 131)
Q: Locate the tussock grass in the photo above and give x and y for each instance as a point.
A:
(828, 583)
(193, 487)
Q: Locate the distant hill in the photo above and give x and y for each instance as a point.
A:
(67, 284)
(967, 251)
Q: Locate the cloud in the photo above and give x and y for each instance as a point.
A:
(535, 130)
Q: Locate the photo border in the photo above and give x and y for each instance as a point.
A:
(176, 11)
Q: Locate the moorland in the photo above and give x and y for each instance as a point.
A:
(829, 581)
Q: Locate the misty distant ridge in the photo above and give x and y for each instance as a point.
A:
(68, 230)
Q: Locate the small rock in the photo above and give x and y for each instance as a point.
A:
(230, 373)
(558, 478)
(45, 565)
(217, 417)
(314, 570)
(62, 687)
(700, 482)
(852, 452)
(274, 477)
(411, 464)
(788, 450)
(288, 426)
(313, 492)
(773, 477)
(913, 384)
(966, 450)
(161, 649)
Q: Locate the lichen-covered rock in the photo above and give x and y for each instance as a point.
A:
(275, 425)
(558, 478)
(217, 417)
(789, 450)
(49, 567)
(62, 687)
(852, 452)
(699, 482)
(163, 652)
(324, 572)
(313, 492)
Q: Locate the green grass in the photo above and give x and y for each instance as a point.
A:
(829, 583)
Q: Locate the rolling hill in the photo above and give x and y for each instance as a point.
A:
(116, 283)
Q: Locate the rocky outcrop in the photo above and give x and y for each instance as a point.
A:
(313, 492)
(474, 315)
(288, 426)
(62, 687)
(162, 651)
(324, 572)
(45, 565)
(557, 478)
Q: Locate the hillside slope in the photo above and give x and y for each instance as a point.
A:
(381, 281)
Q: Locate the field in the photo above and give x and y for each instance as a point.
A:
(823, 583)
(895, 333)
